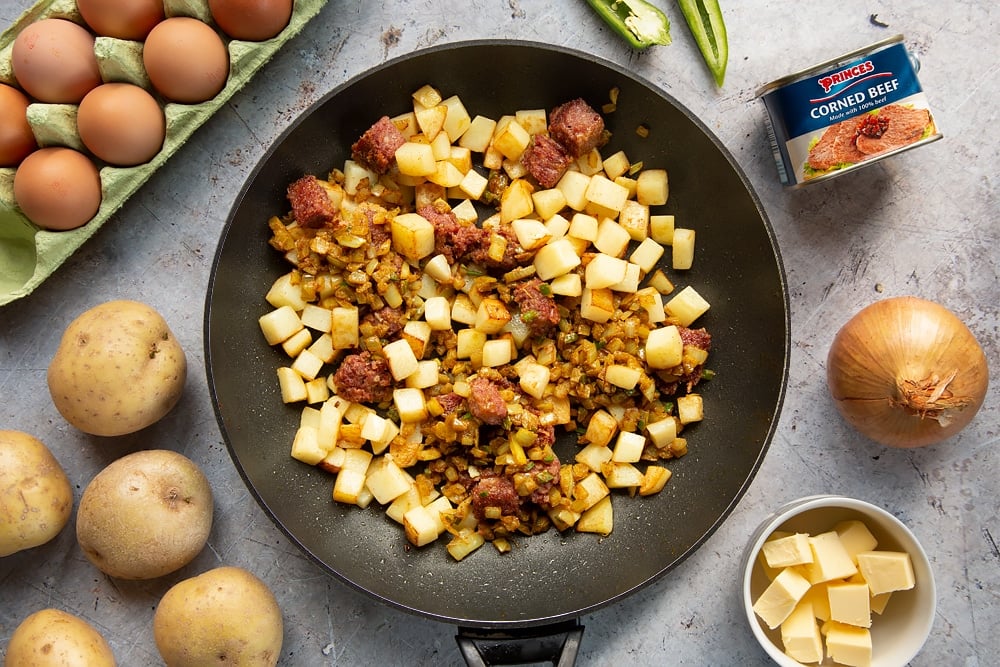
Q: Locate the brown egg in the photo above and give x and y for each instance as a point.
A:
(186, 60)
(54, 61)
(58, 188)
(251, 20)
(16, 137)
(124, 19)
(121, 124)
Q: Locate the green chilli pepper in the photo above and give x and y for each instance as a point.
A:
(704, 18)
(641, 24)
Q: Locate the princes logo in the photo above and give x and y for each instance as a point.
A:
(847, 78)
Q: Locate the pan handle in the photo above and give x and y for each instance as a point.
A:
(558, 643)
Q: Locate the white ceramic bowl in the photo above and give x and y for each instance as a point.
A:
(900, 632)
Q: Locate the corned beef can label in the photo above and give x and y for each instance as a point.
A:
(846, 113)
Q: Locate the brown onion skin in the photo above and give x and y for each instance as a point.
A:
(899, 339)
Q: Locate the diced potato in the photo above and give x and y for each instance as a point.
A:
(690, 408)
(344, 327)
(627, 183)
(317, 391)
(469, 345)
(661, 228)
(534, 121)
(686, 306)
(662, 432)
(511, 140)
(446, 175)
(281, 324)
(406, 123)
(660, 282)
(548, 202)
(664, 347)
(412, 235)
(350, 480)
(601, 428)
(606, 193)
(515, 202)
(420, 526)
(628, 447)
(622, 376)
(307, 364)
(594, 456)
(590, 162)
(355, 174)
(568, 284)
(386, 480)
(431, 119)
(479, 134)
(622, 475)
(284, 292)
(588, 492)
(515, 169)
(402, 360)
(330, 417)
(597, 305)
(630, 283)
(598, 519)
(462, 310)
(491, 316)
(418, 334)
(615, 165)
(653, 480)
(415, 159)
(533, 379)
(583, 226)
(473, 184)
(531, 233)
(410, 404)
(403, 504)
(612, 239)
(291, 384)
(573, 185)
(497, 352)
(492, 159)
(457, 121)
(425, 376)
(647, 254)
(464, 543)
(683, 248)
(635, 219)
(555, 259)
(460, 157)
(297, 342)
(652, 302)
(426, 96)
(437, 267)
(604, 271)
(305, 446)
(652, 187)
(437, 313)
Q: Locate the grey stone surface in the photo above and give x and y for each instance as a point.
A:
(921, 223)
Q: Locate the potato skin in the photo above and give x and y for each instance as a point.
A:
(145, 515)
(55, 638)
(118, 369)
(36, 499)
(225, 617)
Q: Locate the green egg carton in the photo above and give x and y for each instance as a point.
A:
(29, 254)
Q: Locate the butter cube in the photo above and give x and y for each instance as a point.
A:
(886, 571)
(771, 572)
(780, 597)
(786, 551)
(820, 601)
(800, 634)
(850, 603)
(855, 537)
(830, 559)
(848, 644)
(876, 602)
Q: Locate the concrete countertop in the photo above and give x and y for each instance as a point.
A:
(920, 223)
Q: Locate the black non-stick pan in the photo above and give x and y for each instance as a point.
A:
(550, 578)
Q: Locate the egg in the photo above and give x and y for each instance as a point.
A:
(121, 124)
(58, 188)
(251, 20)
(186, 60)
(124, 19)
(16, 137)
(53, 61)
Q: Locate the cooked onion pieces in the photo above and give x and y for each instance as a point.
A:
(907, 372)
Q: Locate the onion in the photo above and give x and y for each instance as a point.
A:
(906, 372)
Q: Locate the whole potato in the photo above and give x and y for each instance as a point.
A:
(145, 515)
(118, 369)
(55, 638)
(36, 499)
(225, 616)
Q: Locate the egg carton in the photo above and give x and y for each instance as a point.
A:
(30, 254)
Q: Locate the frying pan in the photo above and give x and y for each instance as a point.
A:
(551, 578)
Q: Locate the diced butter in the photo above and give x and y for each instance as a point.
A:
(855, 537)
(771, 572)
(850, 603)
(886, 571)
(876, 602)
(780, 597)
(819, 600)
(800, 634)
(830, 559)
(787, 551)
(848, 644)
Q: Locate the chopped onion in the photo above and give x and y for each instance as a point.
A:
(907, 372)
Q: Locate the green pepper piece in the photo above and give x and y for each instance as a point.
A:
(704, 18)
(637, 21)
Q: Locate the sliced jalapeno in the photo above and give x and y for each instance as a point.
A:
(641, 24)
(704, 18)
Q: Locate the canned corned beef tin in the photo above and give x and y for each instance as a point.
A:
(846, 113)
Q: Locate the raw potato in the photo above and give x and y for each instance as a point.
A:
(54, 638)
(145, 515)
(225, 616)
(118, 369)
(36, 499)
